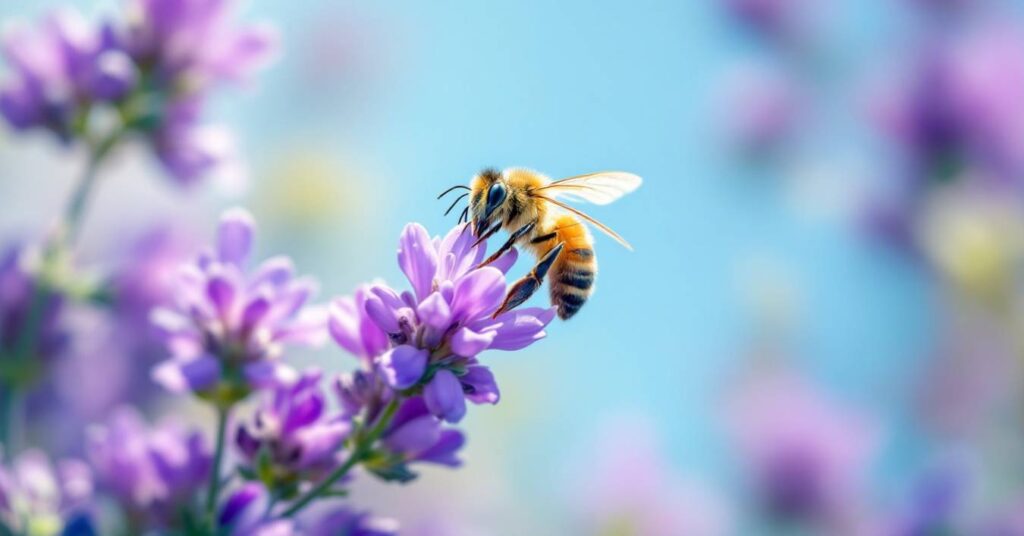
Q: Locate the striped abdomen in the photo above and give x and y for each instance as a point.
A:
(571, 278)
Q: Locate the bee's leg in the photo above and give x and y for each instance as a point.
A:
(522, 231)
(487, 234)
(525, 287)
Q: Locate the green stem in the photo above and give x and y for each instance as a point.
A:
(363, 447)
(75, 208)
(218, 456)
(67, 232)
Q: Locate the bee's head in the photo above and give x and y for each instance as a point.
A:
(487, 200)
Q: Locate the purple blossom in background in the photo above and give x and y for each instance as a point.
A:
(957, 105)
(242, 515)
(804, 455)
(17, 290)
(762, 107)
(295, 432)
(155, 66)
(935, 504)
(155, 471)
(36, 498)
(778, 20)
(229, 327)
(185, 48)
(58, 70)
(627, 485)
(335, 520)
(436, 330)
(189, 45)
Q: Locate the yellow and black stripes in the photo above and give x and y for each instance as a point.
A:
(571, 279)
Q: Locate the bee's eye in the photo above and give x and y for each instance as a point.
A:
(496, 195)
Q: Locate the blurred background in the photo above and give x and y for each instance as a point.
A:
(820, 329)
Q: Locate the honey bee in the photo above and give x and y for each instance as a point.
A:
(532, 209)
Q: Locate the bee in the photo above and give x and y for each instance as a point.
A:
(532, 208)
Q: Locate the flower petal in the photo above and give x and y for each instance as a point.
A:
(178, 376)
(415, 435)
(478, 294)
(403, 366)
(445, 450)
(417, 258)
(234, 236)
(479, 386)
(506, 261)
(434, 311)
(444, 397)
(268, 374)
(468, 343)
(516, 329)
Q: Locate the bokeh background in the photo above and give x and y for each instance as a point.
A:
(828, 245)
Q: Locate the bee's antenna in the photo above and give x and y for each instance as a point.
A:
(464, 216)
(456, 202)
(444, 193)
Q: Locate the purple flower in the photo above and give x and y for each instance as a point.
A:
(189, 150)
(415, 435)
(155, 68)
(956, 106)
(184, 49)
(337, 519)
(435, 331)
(58, 69)
(36, 498)
(153, 471)
(804, 454)
(294, 433)
(229, 327)
(781, 20)
(762, 108)
(935, 504)
(17, 289)
(190, 46)
(243, 515)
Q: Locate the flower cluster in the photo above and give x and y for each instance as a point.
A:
(154, 472)
(426, 341)
(229, 327)
(292, 437)
(153, 68)
(417, 354)
(36, 498)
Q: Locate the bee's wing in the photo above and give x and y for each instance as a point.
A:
(599, 188)
(604, 228)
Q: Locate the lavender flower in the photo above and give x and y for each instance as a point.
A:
(184, 49)
(935, 504)
(37, 499)
(414, 435)
(18, 285)
(189, 46)
(155, 68)
(781, 20)
(154, 472)
(435, 332)
(957, 106)
(291, 437)
(762, 108)
(228, 329)
(803, 453)
(58, 70)
(243, 515)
